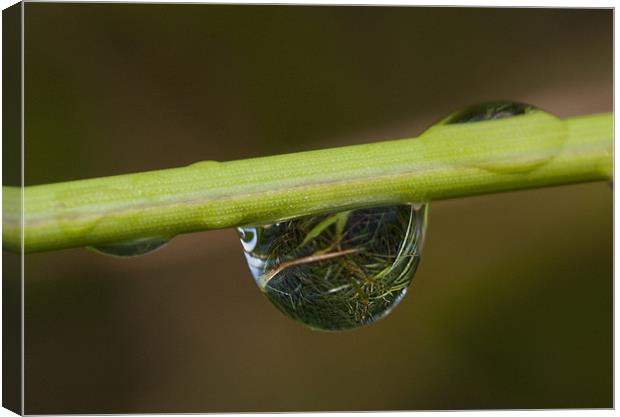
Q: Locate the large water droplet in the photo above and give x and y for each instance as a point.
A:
(341, 270)
(531, 145)
(132, 247)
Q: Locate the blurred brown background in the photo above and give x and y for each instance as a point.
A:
(511, 306)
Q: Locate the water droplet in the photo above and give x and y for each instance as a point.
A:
(527, 147)
(341, 270)
(132, 247)
(489, 111)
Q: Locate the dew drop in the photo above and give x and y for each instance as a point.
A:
(132, 247)
(527, 147)
(489, 111)
(340, 270)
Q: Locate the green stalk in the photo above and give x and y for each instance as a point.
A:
(447, 161)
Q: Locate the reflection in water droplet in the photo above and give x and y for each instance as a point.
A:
(489, 111)
(133, 247)
(531, 145)
(340, 270)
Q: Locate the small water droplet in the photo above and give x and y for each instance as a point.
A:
(525, 148)
(489, 111)
(340, 270)
(132, 247)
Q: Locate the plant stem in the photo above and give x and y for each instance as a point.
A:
(446, 161)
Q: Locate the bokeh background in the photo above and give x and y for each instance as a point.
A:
(511, 306)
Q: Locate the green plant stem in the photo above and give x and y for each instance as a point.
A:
(446, 161)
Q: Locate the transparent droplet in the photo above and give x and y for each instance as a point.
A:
(340, 270)
(132, 247)
(489, 111)
(526, 147)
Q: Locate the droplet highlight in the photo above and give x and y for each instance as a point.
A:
(523, 147)
(489, 111)
(340, 270)
(134, 247)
